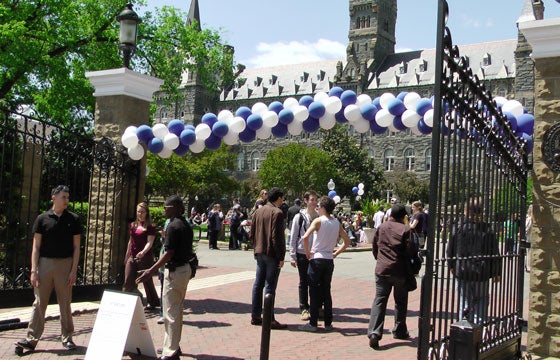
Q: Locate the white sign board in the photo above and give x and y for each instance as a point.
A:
(120, 326)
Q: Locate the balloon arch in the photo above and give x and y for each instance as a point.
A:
(407, 110)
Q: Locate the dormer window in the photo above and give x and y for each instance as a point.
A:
(403, 67)
(486, 60)
(423, 66)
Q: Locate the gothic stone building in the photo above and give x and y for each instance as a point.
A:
(371, 67)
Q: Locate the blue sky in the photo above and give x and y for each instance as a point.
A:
(276, 32)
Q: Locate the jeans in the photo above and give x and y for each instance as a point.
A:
(303, 287)
(319, 276)
(474, 297)
(383, 287)
(268, 270)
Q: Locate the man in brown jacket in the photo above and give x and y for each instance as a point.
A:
(267, 237)
(391, 243)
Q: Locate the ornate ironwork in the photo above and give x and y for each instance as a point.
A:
(551, 147)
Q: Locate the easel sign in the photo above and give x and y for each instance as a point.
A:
(120, 326)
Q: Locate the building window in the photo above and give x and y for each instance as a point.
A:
(389, 160)
(241, 162)
(428, 166)
(409, 159)
(486, 60)
(255, 161)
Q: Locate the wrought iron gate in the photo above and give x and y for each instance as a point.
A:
(36, 156)
(472, 301)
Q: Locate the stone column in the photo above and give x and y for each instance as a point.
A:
(544, 303)
(122, 99)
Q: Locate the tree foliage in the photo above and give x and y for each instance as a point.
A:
(352, 164)
(47, 46)
(296, 168)
(408, 187)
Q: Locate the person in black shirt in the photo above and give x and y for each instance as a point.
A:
(54, 265)
(178, 249)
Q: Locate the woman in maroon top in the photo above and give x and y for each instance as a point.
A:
(139, 254)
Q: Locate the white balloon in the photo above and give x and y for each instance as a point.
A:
(225, 115)
(352, 113)
(513, 107)
(358, 198)
(202, 131)
(336, 199)
(290, 103)
(385, 99)
(361, 125)
(363, 99)
(332, 104)
(231, 138)
(327, 121)
(270, 119)
(160, 130)
(129, 139)
(136, 152)
(500, 100)
(429, 117)
(171, 141)
(415, 131)
(237, 125)
(360, 192)
(410, 118)
(263, 133)
(131, 128)
(165, 153)
(295, 128)
(392, 128)
(384, 118)
(360, 185)
(320, 96)
(300, 113)
(259, 108)
(410, 100)
(197, 146)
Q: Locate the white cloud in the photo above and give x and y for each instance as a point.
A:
(295, 52)
(471, 22)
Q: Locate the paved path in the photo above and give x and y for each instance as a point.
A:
(217, 314)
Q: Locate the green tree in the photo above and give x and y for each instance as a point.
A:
(296, 168)
(408, 187)
(352, 164)
(47, 46)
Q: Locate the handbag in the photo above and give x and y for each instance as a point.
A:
(193, 262)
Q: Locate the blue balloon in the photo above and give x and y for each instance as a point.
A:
(220, 128)
(376, 129)
(339, 116)
(247, 135)
(280, 130)
(276, 106)
(529, 140)
(396, 107)
(398, 124)
(190, 127)
(316, 109)
(285, 116)
(306, 100)
(377, 102)
(424, 128)
(187, 137)
(176, 127)
(155, 145)
(332, 193)
(368, 112)
(355, 190)
(213, 142)
(401, 95)
(336, 91)
(209, 119)
(243, 112)
(348, 97)
(511, 119)
(144, 133)
(311, 124)
(423, 105)
(254, 122)
(181, 150)
(525, 123)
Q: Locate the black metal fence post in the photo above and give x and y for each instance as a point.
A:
(267, 320)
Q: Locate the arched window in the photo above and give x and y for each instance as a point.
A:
(409, 159)
(241, 162)
(428, 156)
(255, 161)
(388, 160)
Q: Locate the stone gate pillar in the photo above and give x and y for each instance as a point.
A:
(544, 303)
(122, 99)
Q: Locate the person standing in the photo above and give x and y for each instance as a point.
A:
(215, 219)
(139, 254)
(321, 261)
(269, 244)
(392, 245)
(178, 246)
(300, 224)
(235, 228)
(473, 253)
(378, 217)
(293, 211)
(54, 266)
(418, 223)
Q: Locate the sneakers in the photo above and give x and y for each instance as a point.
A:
(307, 327)
(374, 342)
(69, 345)
(160, 320)
(304, 315)
(26, 344)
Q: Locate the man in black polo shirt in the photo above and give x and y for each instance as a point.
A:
(178, 249)
(54, 265)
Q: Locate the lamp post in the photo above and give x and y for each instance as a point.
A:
(128, 34)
